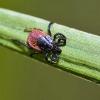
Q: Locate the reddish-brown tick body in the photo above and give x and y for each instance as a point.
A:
(34, 35)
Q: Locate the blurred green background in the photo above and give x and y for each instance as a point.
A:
(24, 79)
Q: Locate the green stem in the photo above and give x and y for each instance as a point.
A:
(80, 56)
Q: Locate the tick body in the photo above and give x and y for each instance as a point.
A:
(41, 42)
(33, 39)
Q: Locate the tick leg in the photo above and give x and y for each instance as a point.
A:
(51, 58)
(54, 58)
(32, 52)
(19, 44)
(49, 28)
(28, 29)
(60, 39)
(46, 57)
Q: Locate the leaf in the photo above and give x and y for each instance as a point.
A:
(80, 56)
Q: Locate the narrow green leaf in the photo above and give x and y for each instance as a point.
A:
(80, 56)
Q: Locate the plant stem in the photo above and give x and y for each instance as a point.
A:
(80, 56)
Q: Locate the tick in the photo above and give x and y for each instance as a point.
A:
(43, 43)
